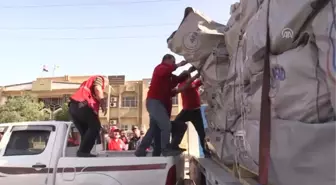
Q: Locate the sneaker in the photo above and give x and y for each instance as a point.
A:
(81, 154)
(171, 152)
(140, 153)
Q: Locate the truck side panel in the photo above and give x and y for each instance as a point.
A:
(112, 171)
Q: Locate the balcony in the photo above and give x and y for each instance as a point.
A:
(129, 112)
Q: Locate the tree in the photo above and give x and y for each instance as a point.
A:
(22, 108)
(63, 114)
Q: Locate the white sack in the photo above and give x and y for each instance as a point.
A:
(222, 144)
(253, 99)
(241, 13)
(325, 36)
(196, 37)
(236, 67)
(300, 153)
(299, 89)
(215, 68)
(286, 18)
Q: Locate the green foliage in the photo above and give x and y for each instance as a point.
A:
(63, 114)
(22, 108)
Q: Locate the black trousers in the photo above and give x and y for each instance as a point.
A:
(87, 123)
(179, 127)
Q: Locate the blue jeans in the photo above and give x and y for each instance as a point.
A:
(159, 127)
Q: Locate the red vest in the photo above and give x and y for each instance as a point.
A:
(86, 93)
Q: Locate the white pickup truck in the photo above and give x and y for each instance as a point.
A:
(37, 153)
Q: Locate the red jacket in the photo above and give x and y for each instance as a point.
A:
(86, 93)
(116, 145)
(190, 96)
(162, 84)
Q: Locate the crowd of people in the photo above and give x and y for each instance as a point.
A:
(163, 135)
(118, 140)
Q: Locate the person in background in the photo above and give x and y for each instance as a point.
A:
(191, 111)
(123, 137)
(134, 141)
(107, 136)
(142, 133)
(159, 105)
(116, 144)
(84, 107)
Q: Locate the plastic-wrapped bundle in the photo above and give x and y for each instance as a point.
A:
(299, 91)
(325, 35)
(300, 153)
(241, 14)
(215, 68)
(284, 29)
(196, 37)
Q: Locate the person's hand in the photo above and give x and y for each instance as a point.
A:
(103, 106)
(174, 92)
(192, 69)
(104, 109)
(182, 63)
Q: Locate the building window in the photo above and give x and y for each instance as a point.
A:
(124, 127)
(129, 101)
(175, 100)
(114, 101)
(113, 121)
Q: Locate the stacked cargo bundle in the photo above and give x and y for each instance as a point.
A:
(230, 59)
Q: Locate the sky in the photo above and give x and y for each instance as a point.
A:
(88, 37)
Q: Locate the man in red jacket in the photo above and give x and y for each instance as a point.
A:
(191, 102)
(159, 105)
(84, 107)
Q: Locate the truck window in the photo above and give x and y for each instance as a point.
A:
(2, 132)
(27, 142)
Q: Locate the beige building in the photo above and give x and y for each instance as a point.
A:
(126, 98)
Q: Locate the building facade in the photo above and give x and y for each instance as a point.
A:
(126, 99)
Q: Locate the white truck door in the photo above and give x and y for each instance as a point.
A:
(26, 156)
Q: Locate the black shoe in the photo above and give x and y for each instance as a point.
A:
(140, 152)
(171, 152)
(181, 149)
(206, 154)
(81, 154)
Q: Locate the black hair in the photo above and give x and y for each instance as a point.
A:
(167, 57)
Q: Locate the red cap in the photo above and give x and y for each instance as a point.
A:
(114, 129)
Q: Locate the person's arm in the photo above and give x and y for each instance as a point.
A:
(98, 88)
(188, 84)
(183, 76)
(197, 83)
(168, 69)
(99, 93)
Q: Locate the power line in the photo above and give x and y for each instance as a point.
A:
(89, 38)
(86, 4)
(89, 27)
